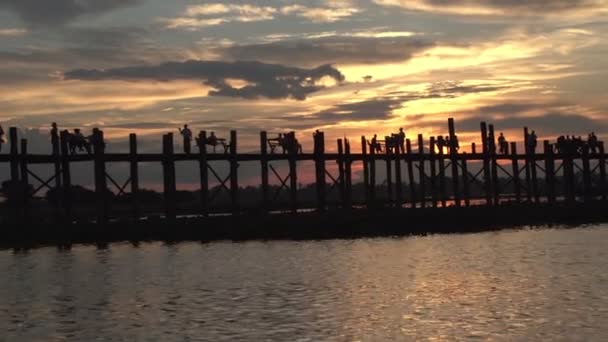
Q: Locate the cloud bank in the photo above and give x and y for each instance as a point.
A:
(273, 81)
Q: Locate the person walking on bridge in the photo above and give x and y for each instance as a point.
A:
(187, 134)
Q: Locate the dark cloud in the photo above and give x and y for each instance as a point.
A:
(457, 88)
(264, 80)
(501, 7)
(334, 50)
(59, 12)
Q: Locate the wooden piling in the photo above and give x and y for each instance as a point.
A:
(433, 172)
(234, 174)
(421, 173)
(587, 188)
(494, 165)
(568, 173)
(348, 175)
(101, 187)
(527, 165)
(443, 195)
(549, 171)
(264, 170)
(487, 180)
(134, 175)
(169, 188)
(454, 161)
(410, 172)
(66, 194)
(398, 177)
(365, 162)
(602, 167)
(14, 154)
(389, 173)
(25, 183)
(515, 170)
(203, 168)
(372, 175)
(56, 157)
(341, 173)
(319, 158)
(466, 193)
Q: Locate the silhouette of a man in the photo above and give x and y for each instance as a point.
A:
(401, 140)
(187, 134)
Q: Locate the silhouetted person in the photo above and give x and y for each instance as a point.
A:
(401, 140)
(374, 145)
(1, 137)
(187, 134)
(533, 142)
(454, 143)
(317, 145)
(592, 142)
(440, 144)
(503, 146)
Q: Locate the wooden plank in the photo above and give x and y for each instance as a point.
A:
(320, 180)
(264, 170)
(169, 177)
(454, 161)
(421, 173)
(410, 172)
(433, 172)
(389, 173)
(515, 170)
(134, 176)
(234, 174)
(487, 180)
(549, 171)
(101, 187)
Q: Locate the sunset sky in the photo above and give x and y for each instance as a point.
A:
(345, 67)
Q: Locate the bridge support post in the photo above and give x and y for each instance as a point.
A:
(169, 177)
(234, 174)
(134, 175)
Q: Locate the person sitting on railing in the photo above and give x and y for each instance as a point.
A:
(290, 143)
(95, 139)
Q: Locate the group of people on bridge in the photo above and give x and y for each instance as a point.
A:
(393, 143)
(573, 145)
(202, 141)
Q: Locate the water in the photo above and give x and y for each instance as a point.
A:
(510, 285)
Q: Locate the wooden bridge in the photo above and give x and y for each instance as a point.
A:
(419, 177)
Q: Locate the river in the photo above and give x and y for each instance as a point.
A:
(542, 284)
